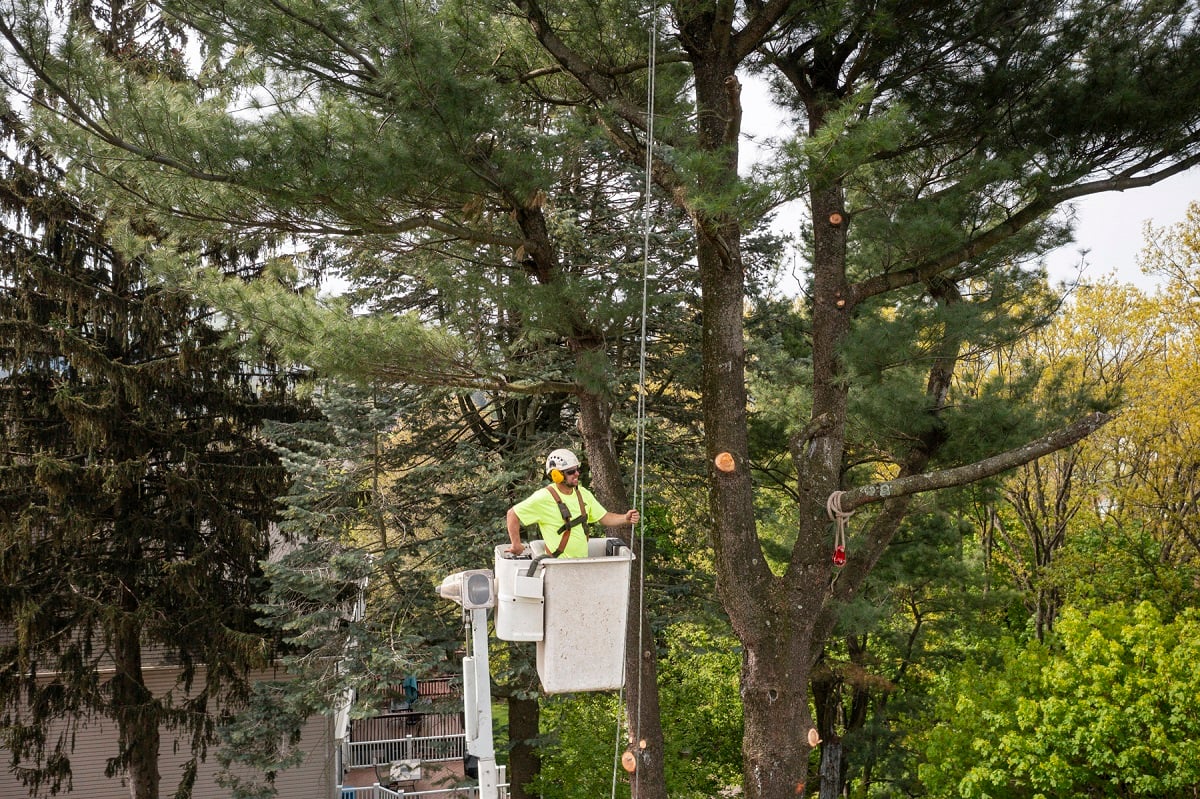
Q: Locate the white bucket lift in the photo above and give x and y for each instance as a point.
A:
(574, 608)
(520, 599)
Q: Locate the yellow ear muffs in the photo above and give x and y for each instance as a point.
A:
(556, 475)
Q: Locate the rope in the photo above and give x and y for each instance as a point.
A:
(833, 506)
(639, 489)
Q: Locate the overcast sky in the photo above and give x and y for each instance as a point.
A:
(1111, 226)
(1108, 225)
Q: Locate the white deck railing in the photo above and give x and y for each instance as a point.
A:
(392, 726)
(379, 792)
(425, 749)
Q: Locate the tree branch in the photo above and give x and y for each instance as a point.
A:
(758, 26)
(82, 118)
(1042, 204)
(371, 71)
(599, 82)
(970, 473)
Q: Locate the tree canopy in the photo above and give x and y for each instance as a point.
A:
(1107, 711)
(137, 494)
(470, 156)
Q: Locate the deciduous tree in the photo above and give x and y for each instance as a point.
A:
(1107, 709)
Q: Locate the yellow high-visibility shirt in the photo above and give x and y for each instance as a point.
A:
(540, 508)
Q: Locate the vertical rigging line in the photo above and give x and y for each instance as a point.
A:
(639, 493)
(639, 446)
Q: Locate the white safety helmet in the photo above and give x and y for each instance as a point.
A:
(558, 462)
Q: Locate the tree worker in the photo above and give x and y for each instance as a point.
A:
(562, 511)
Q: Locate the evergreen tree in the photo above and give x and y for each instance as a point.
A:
(346, 596)
(932, 145)
(136, 494)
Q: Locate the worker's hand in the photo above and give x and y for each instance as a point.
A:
(516, 548)
(632, 516)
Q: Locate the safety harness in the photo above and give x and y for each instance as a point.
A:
(565, 531)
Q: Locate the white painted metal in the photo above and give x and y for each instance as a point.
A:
(519, 599)
(586, 607)
(481, 744)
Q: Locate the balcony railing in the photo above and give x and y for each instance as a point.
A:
(436, 687)
(428, 688)
(426, 749)
(380, 792)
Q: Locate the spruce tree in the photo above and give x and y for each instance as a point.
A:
(136, 494)
(347, 618)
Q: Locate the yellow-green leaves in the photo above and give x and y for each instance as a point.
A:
(1112, 708)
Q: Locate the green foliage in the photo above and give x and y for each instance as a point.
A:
(325, 335)
(353, 613)
(699, 696)
(780, 354)
(1107, 564)
(479, 185)
(701, 703)
(891, 350)
(924, 607)
(582, 750)
(1109, 708)
(849, 139)
(137, 491)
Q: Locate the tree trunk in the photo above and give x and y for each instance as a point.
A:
(827, 695)
(775, 698)
(524, 761)
(834, 721)
(831, 769)
(135, 714)
(762, 608)
(642, 710)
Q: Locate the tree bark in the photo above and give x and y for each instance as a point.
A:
(831, 769)
(134, 711)
(988, 467)
(524, 761)
(776, 713)
(642, 709)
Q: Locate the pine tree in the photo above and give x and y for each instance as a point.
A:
(932, 144)
(136, 494)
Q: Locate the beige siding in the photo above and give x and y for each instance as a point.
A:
(96, 742)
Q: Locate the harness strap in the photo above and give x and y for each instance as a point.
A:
(568, 522)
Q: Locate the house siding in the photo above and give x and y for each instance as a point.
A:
(96, 742)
